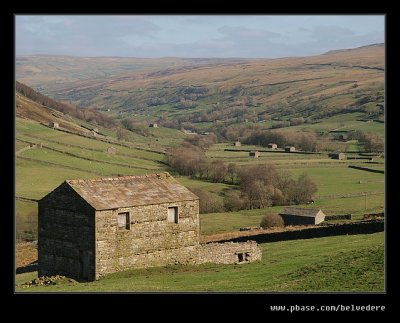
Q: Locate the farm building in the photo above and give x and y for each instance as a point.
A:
(297, 216)
(254, 154)
(237, 143)
(289, 149)
(54, 125)
(153, 125)
(273, 146)
(89, 228)
(111, 150)
(337, 155)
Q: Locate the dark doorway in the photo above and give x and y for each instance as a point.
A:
(84, 265)
(240, 257)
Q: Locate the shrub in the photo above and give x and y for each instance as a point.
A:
(271, 220)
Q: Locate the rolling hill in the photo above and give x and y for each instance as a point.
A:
(209, 91)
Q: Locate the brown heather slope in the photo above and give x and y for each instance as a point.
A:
(312, 84)
(25, 254)
(28, 109)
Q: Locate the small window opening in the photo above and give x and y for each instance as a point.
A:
(247, 256)
(124, 221)
(173, 214)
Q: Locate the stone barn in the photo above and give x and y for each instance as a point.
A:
(89, 228)
(290, 149)
(298, 216)
(54, 125)
(337, 155)
(153, 125)
(237, 144)
(254, 154)
(273, 146)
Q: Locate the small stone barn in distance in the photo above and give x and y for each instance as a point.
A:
(89, 228)
(54, 125)
(337, 155)
(298, 216)
(290, 149)
(273, 146)
(254, 154)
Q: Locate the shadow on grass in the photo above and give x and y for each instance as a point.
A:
(33, 266)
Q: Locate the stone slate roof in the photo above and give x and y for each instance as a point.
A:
(127, 191)
(301, 212)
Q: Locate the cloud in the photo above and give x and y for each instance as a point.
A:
(81, 35)
(193, 36)
(243, 32)
(331, 32)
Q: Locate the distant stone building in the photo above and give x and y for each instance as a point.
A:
(111, 150)
(153, 125)
(89, 228)
(290, 149)
(273, 146)
(298, 216)
(254, 154)
(54, 125)
(237, 144)
(337, 155)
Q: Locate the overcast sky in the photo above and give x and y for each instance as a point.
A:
(261, 36)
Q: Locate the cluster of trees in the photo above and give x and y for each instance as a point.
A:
(208, 202)
(140, 127)
(202, 141)
(89, 115)
(190, 158)
(259, 186)
(372, 142)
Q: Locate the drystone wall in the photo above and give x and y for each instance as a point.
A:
(229, 252)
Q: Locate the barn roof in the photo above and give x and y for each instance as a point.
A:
(127, 191)
(301, 212)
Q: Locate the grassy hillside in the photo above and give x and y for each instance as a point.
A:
(352, 263)
(72, 155)
(224, 90)
(69, 156)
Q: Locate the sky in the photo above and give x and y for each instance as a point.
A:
(222, 36)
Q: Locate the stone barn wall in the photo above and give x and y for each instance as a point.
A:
(229, 253)
(151, 239)
(66, 236)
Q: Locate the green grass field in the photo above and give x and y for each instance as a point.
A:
(232, 221)
(332, 177)
(45, 169)
(353, 263)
